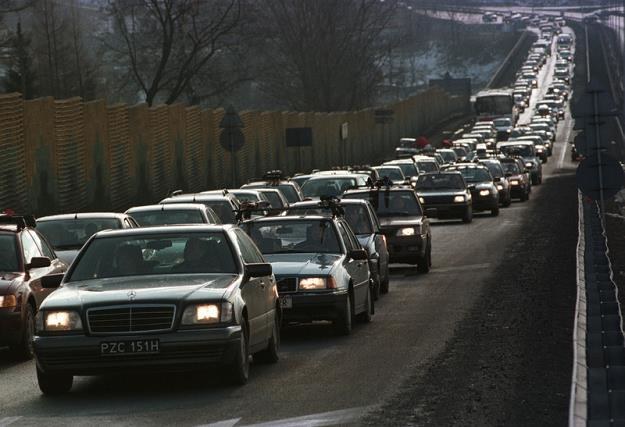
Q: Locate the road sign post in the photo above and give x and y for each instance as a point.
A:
(231, 138)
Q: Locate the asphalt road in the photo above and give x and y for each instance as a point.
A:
(327, 379)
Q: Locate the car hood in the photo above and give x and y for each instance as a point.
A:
(6, 282)
(67, 256)
(146, 289)
(302, 264)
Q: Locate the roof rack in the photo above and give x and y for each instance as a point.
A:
(247, 208)
(20, 221)
(274, 175)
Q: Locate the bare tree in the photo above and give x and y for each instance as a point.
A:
(167, 44)
(325, 55)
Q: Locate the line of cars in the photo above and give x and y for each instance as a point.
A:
(210, 278)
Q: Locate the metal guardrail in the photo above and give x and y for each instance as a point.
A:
(598, 383)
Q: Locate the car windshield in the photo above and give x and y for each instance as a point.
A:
(390, 203)
(356, 215)
(511, 168)
(305, 236)
(443, 181)
(65, 234)
(460, 151)
(393, 173)
(475, 174)
(502, 122)
(245, 196)
(517, 150)
(167, 217)
(408, 169)
(223, 211)
(494, 168)
(427, 166)
(327, 187)
(448, 156)
(151, 254)
(8, 253)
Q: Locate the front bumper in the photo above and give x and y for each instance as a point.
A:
(308, 306)
(485, 203)
(404, 249)
(448, 211)
(10, 326)
(179, 351)
(518, 191)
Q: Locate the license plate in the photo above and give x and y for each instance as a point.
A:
(115, 348)
(286, 301)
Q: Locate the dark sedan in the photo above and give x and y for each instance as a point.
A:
(444, 195)
(158, 299)
(484, 192)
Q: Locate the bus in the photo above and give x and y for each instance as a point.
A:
(492, 104)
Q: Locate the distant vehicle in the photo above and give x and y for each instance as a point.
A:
(67, 233)
(504, 127)
(526, 151)
(277, 179)
(481, 184)
(225, 205)
(503, 186)
(392, 172)
(445, 195)
(333, 185)
(519, 180)
(170, 214)
(449, 155)
(407, 147)
(493, 104)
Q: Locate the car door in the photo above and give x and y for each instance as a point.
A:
(358, 270)
(255, 292)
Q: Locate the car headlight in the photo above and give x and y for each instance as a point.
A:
(514, 182)
(484, 192)
(421, 200)
(206, 314)
(499, 187)
(317, 283)
(529, 165)
(53, 321)
(404, 232)
(459, 199)
(8, 301)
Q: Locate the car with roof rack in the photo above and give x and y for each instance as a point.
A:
(277, 179)
(275, 197)
(173, 214)
(67, 233)
(402, 221)
(320, 267)
(156, 299)
(26, 261)
(364, 222)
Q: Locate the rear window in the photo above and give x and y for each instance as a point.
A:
(327, 187)
(167, 217)
(390, 203)
(67, 234)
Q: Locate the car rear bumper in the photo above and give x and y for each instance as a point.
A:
(179, 351)
(485, 203)
(518, 191)
(308, 307)
(404, 249)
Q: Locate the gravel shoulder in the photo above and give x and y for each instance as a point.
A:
(509, 362)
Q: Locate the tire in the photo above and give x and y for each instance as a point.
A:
(343, 325)
(240, 367)
(494, 212)
(507, 202)
(525, 197)
(23, 350)
(54, 384)
(365, 317)
(540, 179)
(272, 353)
(468, 216)
(425, 263)
(384, 288)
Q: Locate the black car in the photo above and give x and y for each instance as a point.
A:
(444, 195)
(503, 186)
(519, 180)
(366, 226)
(407, 230)
(321, 268)
(159, 299)
(25, 259)
(484, 192)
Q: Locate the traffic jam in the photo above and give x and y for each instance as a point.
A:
(213, 278)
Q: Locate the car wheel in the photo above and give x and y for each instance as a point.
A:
(508, 201)
(54, 383)
(424, 263)
(365, 316)
(525, 196)
(494, 212)
(24, 349)
(468, 216)
(384, 285)
(272, 353)
(240, 368)
(343, 325)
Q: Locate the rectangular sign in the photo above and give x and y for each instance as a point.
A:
(298, 137)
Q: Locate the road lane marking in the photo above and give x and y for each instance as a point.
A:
(226, 423)
(7, 421)
(340, 417)
(566, 144)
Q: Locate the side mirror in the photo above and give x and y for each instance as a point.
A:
(52, 281)
(38, 262)
(258, 270)
(431, 212)
(358, 254)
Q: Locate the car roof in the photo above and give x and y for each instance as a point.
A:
(199, 197)
(317, 177)
(85, 215)
(169, 229)
(397, 162)
(308, 203)
(168, 206)
(420, 157)
(512, 143)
